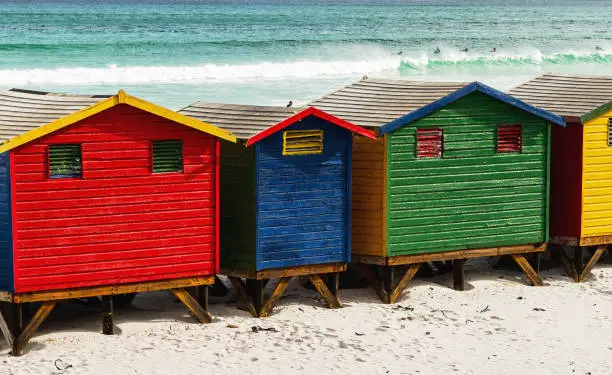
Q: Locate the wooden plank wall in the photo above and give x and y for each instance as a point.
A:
(473, 197)
(368, 202)
(566, 181)
(6, 229)
(119, 223)
(597, 178)
(302, 200)
(238, 206)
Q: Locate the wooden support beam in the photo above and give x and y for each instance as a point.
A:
(276, 295)
(243, 295)
(24, 337)
(277, 273)
(526, 267)
(388, 279)
(54, 295)
(559, 252)
(201, 295)
(579, 260)
(459, 274)
(202, 315)
(107, 315)
(255, 289)
(320, 286)
(449, 255)
(6, 331)
(401, 285)
(369, 271)
(594, 259)
(333, 283)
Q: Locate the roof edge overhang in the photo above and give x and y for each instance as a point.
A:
(310, 111)
(460, 93)
(120, 98)
(599, 111)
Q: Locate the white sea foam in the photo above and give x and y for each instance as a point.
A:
(380, 62)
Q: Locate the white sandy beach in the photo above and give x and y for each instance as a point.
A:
(499, 325)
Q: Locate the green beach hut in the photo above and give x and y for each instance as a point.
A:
(458, 171)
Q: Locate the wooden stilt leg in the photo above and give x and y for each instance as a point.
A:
(276, 295)
(20, 342)
(202, 315)
(401, 285)
(202, 296)
(579, 260)
(243, 295)
(333, 283)
(389, 279)
(16, 320)
(320, 286)
(6, 331)
(255, 289)
(560, 253)
(536, 262)
(587, 269)
(107, 315)
(370, 274)
(526, 267)
(458, 274)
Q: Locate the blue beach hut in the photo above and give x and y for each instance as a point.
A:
(285, 198)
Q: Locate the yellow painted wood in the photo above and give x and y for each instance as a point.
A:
(120, 98)
(597, 178)
(368, 196)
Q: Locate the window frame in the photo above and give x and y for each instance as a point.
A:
(182, 156)
(51, 176)
(520, 141)
(318, 132)
(435, 129)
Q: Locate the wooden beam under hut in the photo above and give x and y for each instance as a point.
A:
(20, 334)
(574, 266)
(250, 285)
(382, 271)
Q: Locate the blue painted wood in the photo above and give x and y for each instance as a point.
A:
(6, 230)
(472, 87)
(303, 201)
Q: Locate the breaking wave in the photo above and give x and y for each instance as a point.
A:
(376, 63)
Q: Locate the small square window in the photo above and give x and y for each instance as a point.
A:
(302, 142)
(65, 161)
(167, 156)
(509, 138)
(430, 143)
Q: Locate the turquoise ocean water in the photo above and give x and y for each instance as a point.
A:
(267, 52)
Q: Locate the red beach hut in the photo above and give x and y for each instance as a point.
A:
(102, 196)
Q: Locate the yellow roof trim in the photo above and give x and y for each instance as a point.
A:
(120, 98)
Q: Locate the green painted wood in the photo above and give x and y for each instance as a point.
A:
(238, 241)
(472, 197)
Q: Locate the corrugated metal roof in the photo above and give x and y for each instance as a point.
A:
(376, 102)
(566, 95)
(25, 110)
(243, 120)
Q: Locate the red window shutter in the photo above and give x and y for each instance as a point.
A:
(429, 143)
(509, 138)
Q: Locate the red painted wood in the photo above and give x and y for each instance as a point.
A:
(509, 138)
(429, 143)
(310, 111)
(218, 209)
(120, 223)
(566, 181)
